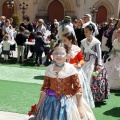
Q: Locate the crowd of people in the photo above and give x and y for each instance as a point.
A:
(83, 60)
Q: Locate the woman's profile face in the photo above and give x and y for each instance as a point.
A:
(66, 41)
(118, 33)
(87, 32)
(59, 55)
(7, 23)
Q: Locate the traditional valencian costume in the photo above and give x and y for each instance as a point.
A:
(60, 102)
(92, 56)
(76, 57)
(113, 66)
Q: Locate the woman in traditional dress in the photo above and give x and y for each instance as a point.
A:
(76, 58)
(61, 96)
(113, 64)
(92, 55)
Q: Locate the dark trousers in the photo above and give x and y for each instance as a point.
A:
(47, 49)
(26, 52)
(105, 56)
(38, 59)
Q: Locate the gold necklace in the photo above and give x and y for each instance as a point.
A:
(57, 73)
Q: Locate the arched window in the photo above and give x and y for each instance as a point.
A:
(101, 15)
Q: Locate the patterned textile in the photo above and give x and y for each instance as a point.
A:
(100, 87)
(65, 82)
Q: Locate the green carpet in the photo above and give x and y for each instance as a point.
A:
(17, 96)
(22, 74)
(109, 110)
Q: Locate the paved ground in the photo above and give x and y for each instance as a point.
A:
(14, 116)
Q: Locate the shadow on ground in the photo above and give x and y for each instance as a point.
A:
(39, 77)
(99, 104)
(13, 61)
(116, 92)
(27, 63)
(10, 61)
(114, 112)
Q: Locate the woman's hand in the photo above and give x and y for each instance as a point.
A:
(41, 99)
(99, 68)
(81, 112)
(77, 66)
(38, 106)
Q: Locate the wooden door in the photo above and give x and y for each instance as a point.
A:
(8, 12)
(55, 11)
(101, 15)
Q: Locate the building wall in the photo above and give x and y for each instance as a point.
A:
(75, 8)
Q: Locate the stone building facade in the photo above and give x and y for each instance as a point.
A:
(50, 9)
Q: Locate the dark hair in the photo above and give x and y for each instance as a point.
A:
(39, 33)
(7, 20)
(48, 37)
(32, 35)
(64, 46)
(91, 27)
(25, 17)
(21, 29)
(70, 36)
(52, 36)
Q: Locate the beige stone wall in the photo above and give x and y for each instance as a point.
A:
(112, 7)
(71, 7)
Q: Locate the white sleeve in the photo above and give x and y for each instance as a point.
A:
(96, 30)
(98, 47)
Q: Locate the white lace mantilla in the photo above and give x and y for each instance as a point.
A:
(74, 51)
(68, 70)
(89, 47)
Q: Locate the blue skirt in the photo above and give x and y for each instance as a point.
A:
(53, 109)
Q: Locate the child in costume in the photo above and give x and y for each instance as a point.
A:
(92, 55)
(61, 96)
(76, 58)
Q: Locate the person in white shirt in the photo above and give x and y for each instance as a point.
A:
(8, 28)
(88, 20)
(6, 46)
(40, 27)
(65, 27)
